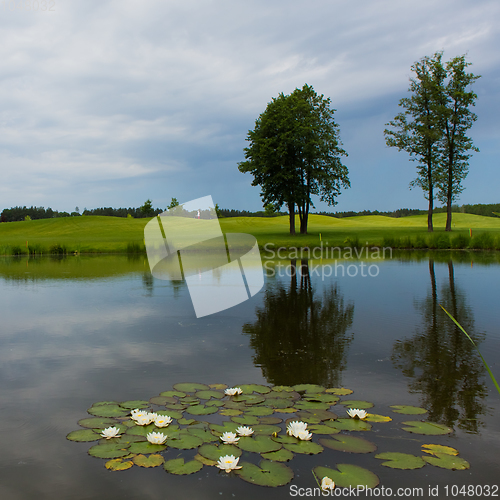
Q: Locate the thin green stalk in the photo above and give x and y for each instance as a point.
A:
(473, 343)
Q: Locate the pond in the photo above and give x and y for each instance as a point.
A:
(82, 329)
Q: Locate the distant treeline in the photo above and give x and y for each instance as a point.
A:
(20, 213)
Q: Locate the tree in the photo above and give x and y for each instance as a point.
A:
(455, 119)
(174, 203)
(147, 208)
(417, 129)
(295, 153)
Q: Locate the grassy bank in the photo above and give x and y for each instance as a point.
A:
(97, 234)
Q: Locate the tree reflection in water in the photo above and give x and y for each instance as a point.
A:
(300, 338)
(442, 362)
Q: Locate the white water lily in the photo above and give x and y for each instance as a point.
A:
(229, 438)
(228, 463)
(327, 484)
(145, 419)
(162, 420)
(135, 414)
(303, 435)
(233, 391)
(244, 431)
(354, 413)
(110, 432)
(156, 437)
(295, 427)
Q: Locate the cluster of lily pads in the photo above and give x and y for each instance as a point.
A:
(270, 423)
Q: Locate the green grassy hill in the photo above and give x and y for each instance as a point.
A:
(114, 234)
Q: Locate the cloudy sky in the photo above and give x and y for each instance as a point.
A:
(111, 102)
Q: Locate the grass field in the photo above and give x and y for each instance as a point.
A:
(97, 234)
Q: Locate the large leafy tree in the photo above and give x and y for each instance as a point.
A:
(295, 153)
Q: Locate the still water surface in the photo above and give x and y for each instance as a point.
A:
(84, 329)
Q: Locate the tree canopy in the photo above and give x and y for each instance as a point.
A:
(295, 152)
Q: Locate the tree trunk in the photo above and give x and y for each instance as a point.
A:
(304, 218)
(291, 212)
(449, 196)
(430, 228)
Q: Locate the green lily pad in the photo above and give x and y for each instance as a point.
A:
(438, 448)
(322, 398)
(142, 430)
(283, 395)
(311, 405)
(446, 461)
(246, 420)
(278, 403)
(146, 447)
(373, 417)
(173, 394)
(249, 399)
(339, 391)
(286, 410)
(401, 460)
(249, 388)
(270, 420)
(201, 410)
(408, 410)
(118, 464)
(151, 461)
(218, 386)
(179, 467)
(97, 422)
(108, 450)
(171, 413)
(233, 405)
(175, 406)
(349, 424)
(321, 415)
(308, 388)
(266, 473)
(214, 452)
(131, 405)
(190, 387)
(304, 447)
(218, 430)
(323, 429)
(351, 444)
(104, 403)
(230, 412)
(348, 475)
(266, 429)
(108, 410)
(258, 444)
(186, 421)
(282, 388)
(190, 400)
(184, 441)
(360, 405)
(205, 461)
(209, 394)
(427, 428)
(214, 402)
(203, 434)
(282, 455)
(83, 435)
(162, 400)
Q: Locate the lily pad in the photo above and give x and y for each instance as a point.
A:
(373, 417)
(142, 430)
(97, 422)
(246, 420)
(249, 388)
(103, 403)
(258, 444)
(438, 448)
(285, 410)
(340, 391)
(146, 447)
(267, 473)
(349, 424)
(348, 475)
(323, 429)
(83, 436)
(408, 410)
(446, 461)
(179, 467)
(186, 421)
(259, 411)
(282, 455)
(304, 447)
(131, 405)
(205, 461)
(214, 452)
(201, 410)
(108, 451)
(230, 412)
(308, 388)
(360, 405)
(173, 394)
(311, 405)
(151, 461)
(218, 386)
(171, 413)
(278, 403)
(184, 441)
(322, 398)
(249, 399)
(209, 394)
(218, 430)
(319, 414)
(270, 420)
(175, 406)
(282, 388)
(203, 434)
(118, 464)
(162, 400)
(266, 429)
(401, 460)
(427, 428)
(350, 444)
(214, 402)
(108, 410)
(190, 387)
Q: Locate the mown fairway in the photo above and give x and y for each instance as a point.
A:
(114, 234)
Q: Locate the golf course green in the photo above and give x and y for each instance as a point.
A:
(99, 234)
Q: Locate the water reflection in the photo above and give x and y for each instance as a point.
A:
(442, 362)
(299, 337)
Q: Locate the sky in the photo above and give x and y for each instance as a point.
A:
(109, 103)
